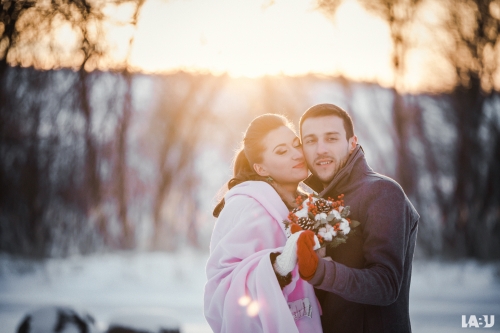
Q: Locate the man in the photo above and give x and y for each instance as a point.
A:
(365, 287)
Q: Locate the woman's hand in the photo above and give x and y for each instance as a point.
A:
(287, 260)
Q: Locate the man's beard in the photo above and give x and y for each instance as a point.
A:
(338, 166)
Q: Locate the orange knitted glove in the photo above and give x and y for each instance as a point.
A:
(307, 259)
(294, 227)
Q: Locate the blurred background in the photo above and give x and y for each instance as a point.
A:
(119, 121)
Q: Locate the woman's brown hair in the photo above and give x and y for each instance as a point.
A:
(251, 151)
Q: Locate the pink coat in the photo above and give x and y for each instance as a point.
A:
(242, 293)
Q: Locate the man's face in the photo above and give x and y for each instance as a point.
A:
(325, 146)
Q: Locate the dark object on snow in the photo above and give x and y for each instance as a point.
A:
(143, 323)
(57, 319)
(119, 329)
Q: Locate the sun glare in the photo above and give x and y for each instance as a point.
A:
(250, 38)
(246, 38)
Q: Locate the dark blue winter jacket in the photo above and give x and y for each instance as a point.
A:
(366, 287)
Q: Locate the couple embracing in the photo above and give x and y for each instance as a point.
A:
(261, 278)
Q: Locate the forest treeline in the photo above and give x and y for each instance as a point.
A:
(95, 160)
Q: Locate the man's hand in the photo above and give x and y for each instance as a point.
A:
(321, 252)
(306, 256)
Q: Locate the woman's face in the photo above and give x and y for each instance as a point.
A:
(282, 158)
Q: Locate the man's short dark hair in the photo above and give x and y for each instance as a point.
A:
(323, 110)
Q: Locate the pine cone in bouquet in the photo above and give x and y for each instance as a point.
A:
(327, 218)
(306, 223)
(323, 205)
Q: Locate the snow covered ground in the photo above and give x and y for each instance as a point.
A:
(171, 285)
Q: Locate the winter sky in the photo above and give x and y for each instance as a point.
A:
(253, 38)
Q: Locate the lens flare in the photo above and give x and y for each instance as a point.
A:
(244, 300)
(253, 309)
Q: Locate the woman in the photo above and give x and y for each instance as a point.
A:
(244, 293)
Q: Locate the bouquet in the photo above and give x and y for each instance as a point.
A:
(327, 218)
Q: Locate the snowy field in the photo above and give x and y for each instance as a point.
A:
(117, 285)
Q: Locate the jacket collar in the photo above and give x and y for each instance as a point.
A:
(313, 182)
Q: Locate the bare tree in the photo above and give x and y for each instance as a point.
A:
(399, 15)
(122, 134)
(472, 215)
(180, 119)
(22, 26)
(470, 212)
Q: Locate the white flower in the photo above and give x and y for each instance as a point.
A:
(320, 216)
(303, 212)
(325, 234)
(335, 213)
(331, 230)
(344, 226)
(328, 237)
